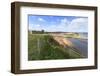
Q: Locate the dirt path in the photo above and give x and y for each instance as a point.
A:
(62, 41)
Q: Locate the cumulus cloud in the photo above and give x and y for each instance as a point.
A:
(37, 25)
(78, 25)
(64, 22)
(41, 19)
(74, 25)
(34, 27)
(61, 27)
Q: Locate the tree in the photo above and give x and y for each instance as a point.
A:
(42, 31)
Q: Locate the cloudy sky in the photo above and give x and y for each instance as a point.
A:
(58, 23)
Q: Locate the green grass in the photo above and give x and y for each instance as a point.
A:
(44, 47)
(72, 36)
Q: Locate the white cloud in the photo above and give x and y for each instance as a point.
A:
(64, 20)
(37, 25)
(78, 25)
(30, 27)
(41, 19)
(63, 25)
(34, 27)
(60, 27)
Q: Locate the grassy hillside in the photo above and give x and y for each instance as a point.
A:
(44, 47)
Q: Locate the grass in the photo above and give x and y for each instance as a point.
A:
(72, 36)
(44, 47)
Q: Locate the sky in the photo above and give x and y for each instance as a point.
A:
(58, 23)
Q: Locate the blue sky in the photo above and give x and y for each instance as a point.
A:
(58, 23)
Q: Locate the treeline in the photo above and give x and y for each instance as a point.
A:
(39, 32)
